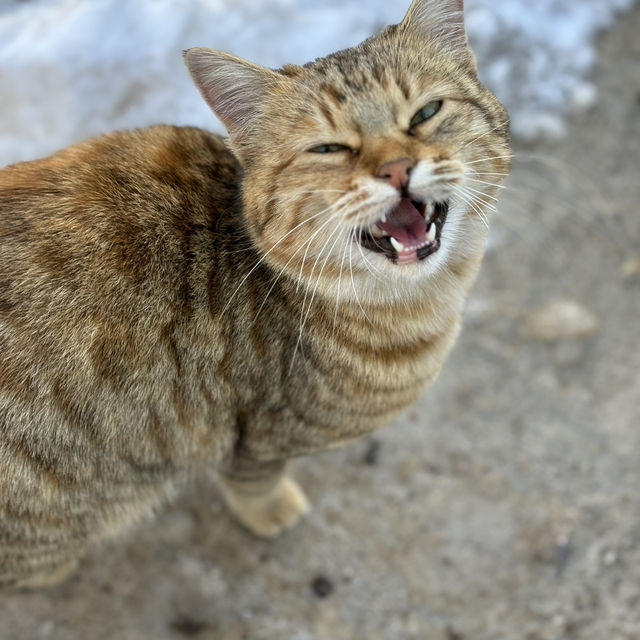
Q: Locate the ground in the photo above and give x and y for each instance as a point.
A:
(504, 506)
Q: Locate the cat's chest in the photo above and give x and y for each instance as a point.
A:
(337, 388)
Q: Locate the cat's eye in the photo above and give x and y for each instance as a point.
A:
(329, 148)
(426, 113)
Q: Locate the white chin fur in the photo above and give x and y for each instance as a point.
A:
(377, 277)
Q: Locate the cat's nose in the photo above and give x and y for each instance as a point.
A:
(396, 172)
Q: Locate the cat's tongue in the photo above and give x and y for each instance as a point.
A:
(406, 224)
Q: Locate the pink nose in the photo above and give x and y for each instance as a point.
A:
(396, 172)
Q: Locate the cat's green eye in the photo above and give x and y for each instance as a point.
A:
(426, 113)
(329, 148)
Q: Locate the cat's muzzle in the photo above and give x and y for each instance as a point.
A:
(409, 234)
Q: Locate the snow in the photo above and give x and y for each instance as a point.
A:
(70, 69)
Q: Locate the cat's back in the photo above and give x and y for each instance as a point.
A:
(158, 173)
(103, 247)
(111, 213)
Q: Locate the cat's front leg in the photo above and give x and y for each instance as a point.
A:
(262, 497)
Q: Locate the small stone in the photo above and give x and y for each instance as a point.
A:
(372, 454)
(561, 557)
(631, 267)
(560, 320)
(188, 627)
(322, 587)
(348, 574)
(559, 621)
(453, 634)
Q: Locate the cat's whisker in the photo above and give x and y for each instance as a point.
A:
(481, 193)
(489, 184)
(304, 322)
(476, 199)
(344, 253)
(308, 244)
(369, 265)
(275, 282)
(471, 193)
(586, 183)
(303, 318)
(488, 174)
(266, 254)
(470, 202)
(530, 191)
(590, 186)
(315, 264)
(353, 284)
(366, 262)
(314, 192)
(481, 215)
(489, 159)
(477, 196)
(501, 125)
(530, 197)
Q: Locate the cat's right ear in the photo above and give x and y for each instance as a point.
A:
(439, 20)
(232, 87)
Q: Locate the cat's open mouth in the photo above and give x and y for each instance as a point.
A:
(410, 233)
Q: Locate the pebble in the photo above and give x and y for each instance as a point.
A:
(610, 558)
(560, 320)
(372, 454)
(188, 627)
(453, 634)
(322, 587)
(348, 574)
(631, 267)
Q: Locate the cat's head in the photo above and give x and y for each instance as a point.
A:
(372, 168)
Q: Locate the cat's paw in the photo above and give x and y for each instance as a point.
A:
(270, 515)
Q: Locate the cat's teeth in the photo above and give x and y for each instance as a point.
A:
(398, 246)
(377, 232)
(383, 219)
(430, 210)
(431, 235)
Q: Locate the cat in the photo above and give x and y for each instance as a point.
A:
(171, 300)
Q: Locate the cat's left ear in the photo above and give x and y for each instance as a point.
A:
(234, 88)
(438, 20)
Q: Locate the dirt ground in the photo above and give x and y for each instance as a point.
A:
(504, 506)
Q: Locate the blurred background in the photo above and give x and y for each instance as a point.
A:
(505, 505)
(70, 69)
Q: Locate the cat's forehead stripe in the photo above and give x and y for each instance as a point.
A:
(326, 112)
(334, 93)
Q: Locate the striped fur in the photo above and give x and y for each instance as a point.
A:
(170, 300)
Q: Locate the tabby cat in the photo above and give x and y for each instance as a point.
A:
(172, 300)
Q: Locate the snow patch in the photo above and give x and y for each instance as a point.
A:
(70, 69)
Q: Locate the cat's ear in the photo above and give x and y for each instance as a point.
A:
(440, 20)
(232, 87)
